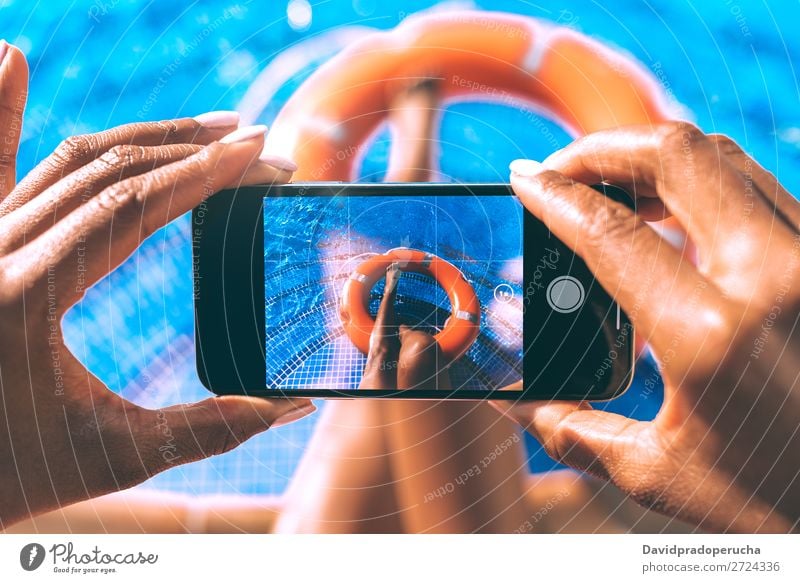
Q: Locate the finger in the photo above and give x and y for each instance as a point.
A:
(213, 427)
(606, 445)
(13, 95)
(119, 163)
(94, 239)
(781, 200)
(268, 170)
(651, 467)
(659, 290)
(697, 184)
(78, 151)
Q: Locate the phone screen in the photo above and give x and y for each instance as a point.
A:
(314, 244)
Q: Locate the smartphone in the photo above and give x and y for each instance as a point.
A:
(289, 279)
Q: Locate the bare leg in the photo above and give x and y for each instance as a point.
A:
(422, 445)
(380, 371)
(413, 118)
(458, 467)
(435, 443)
(344, 483)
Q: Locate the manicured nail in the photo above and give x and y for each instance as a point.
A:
(525, 167)
(278, 162)
(218, 119)
(244, 134)
(3, 49)
(294, 415)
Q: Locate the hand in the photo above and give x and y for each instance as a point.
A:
(724, 450)
(72, 220)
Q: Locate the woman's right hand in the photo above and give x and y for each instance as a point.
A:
(724, 450)
(73, 219)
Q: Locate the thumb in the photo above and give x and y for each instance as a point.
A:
(13, 95)
(607, 445)
(187, 433)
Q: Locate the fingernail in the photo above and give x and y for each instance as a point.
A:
(3, 49)
(218, 119)
(278, 162)
(294, 415)
(244, 134)
(525, 167)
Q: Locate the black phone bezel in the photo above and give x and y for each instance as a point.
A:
(227, 248)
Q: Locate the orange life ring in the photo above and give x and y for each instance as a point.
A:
(581, 83)
(461, 328)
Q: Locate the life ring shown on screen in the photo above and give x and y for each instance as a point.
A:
(461, 328)
(485, 56)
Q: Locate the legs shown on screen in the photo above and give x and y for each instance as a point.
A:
(399, 356)
(380, 371)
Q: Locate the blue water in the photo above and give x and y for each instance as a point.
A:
(313, 244)
(102, 63)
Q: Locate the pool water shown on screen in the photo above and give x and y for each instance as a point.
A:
(314, 246)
